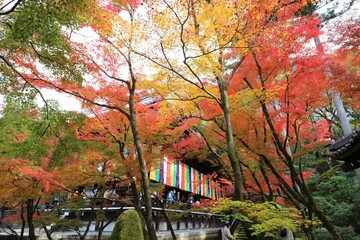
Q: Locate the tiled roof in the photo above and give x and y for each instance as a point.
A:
(346, 149)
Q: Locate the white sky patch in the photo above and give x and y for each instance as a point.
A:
(337, 6)
(65, 101)
(84, 35)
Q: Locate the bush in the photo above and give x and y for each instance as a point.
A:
(128, 227)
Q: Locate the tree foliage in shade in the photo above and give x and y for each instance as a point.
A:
(338, 195)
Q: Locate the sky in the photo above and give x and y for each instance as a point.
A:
(65, 101)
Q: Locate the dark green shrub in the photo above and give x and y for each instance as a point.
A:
(345, 233)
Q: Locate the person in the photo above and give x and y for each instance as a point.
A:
(225, 233)
(175, 197)
(191, 200)
(108, 194)
(170, 197)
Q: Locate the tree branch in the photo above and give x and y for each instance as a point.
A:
(12, 9)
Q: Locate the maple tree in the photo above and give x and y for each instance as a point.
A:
(37, 31)
(34, 144)
(54, 57)
(116, 93)
(344, 64)
(338, 44)
(232, 76)
(90, 173)
(275, 126)
(287, 134)
(238, 72)
(44, 156)
(202, 41)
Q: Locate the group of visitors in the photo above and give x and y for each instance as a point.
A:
(173, 197)
(117, 193)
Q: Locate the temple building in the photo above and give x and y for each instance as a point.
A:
(346, 149)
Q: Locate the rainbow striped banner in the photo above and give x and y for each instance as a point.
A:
(193, 180)
(188, 178)
(176, 174)
(198, 189)
(155, 174)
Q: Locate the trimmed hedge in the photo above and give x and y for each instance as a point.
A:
(128, 227)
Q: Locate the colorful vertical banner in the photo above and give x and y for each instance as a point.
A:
(213, 192)
(179, 175)
(155, 173)
(188, 178)
(198, 183)
(177, 184)
(203, 188)
(161, 179)
(192, 180)
(165, 171)
(207, 188)
(170, 172)
(175, 173)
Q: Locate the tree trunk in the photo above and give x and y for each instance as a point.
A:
(29, 214)
(138, 208)
(169, 224)
(264, 174)
(104, 225)
(100, 230)
(23, 222)
(143, 170)
(307, 200)
(344, 121)
(235, 164)
(83, 237)
(308, 230)
(47, 232)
